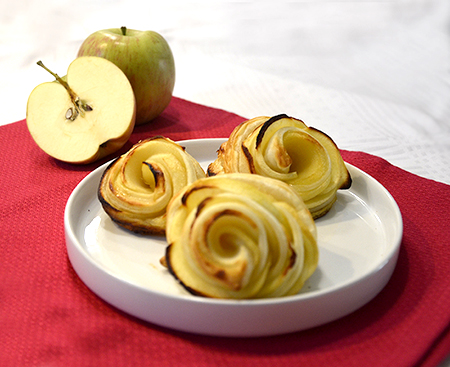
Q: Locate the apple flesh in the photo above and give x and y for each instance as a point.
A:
(84, 116)
(146, 59)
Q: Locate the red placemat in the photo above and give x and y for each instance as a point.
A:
(48, 317)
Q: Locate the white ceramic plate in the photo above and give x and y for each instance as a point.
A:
(358, 239)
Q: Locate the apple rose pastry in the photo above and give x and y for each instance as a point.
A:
(240, 236)
(136, 188)
(286, 149)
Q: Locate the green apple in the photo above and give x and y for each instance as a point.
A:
(84, 116)
(145, 58)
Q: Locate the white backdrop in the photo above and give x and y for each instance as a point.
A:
(372, 74)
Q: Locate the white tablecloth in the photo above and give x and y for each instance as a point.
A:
(374, 75)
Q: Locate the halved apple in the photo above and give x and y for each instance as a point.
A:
(87, 115)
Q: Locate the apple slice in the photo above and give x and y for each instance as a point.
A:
(87, 115)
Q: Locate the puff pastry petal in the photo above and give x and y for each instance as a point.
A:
(286, 149)
(240, 236)
(136, 188)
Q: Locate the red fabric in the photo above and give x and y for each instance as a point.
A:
(48, 317)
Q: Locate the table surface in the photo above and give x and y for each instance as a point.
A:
(374, 75)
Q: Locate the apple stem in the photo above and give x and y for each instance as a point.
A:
(124, 30)
(73, 97)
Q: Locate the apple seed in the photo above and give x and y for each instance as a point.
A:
(70, 115)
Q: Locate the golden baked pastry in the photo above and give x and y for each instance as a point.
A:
(136, 188)
(286, 149)
(240, 236)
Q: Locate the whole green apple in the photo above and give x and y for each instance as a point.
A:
(146, 59)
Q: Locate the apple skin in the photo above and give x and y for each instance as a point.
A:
(146, 59)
